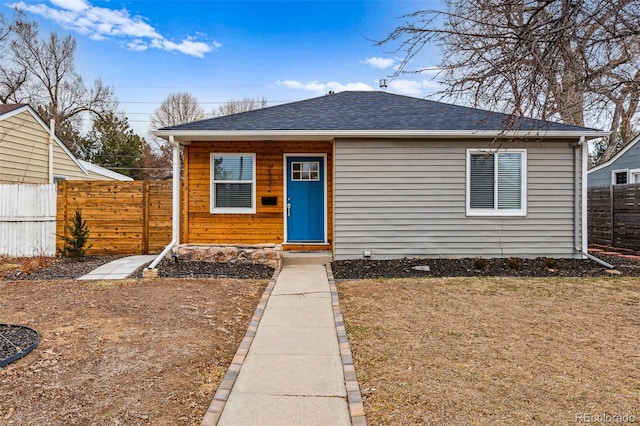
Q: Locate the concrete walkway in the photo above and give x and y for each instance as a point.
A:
(118, 269)
(290, 368)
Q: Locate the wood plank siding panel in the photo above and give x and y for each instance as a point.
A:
(267, 224)
(407, 198)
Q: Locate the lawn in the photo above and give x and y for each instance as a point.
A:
(132, 352)
(487, 351)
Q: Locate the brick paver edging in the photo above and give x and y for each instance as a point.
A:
(354, 397)
(214, 411)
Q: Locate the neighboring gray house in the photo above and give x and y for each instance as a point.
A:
(387, 176)
(622, 168)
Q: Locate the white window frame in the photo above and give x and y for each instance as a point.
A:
(632, 174)
(523, 185)
(232, 210)
(615, 172)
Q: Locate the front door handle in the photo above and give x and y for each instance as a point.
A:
(288, 209)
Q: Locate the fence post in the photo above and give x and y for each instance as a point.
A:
(65, 185)
(145, 217)
(612, 213)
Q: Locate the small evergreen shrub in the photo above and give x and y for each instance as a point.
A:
(75, 242)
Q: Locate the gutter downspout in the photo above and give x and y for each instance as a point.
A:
(52, 131)
(175, 214)
(581, 172)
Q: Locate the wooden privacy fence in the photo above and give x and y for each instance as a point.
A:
(614, 216)
(131, 217)
(27, 219)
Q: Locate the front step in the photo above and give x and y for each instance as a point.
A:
(305, 258)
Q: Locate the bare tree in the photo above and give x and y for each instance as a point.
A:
(177, 108)
(12, 76)
(51, 63)
(241, 105)
(53, 85)
(573, 60)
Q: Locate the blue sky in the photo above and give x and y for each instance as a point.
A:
(221, 50)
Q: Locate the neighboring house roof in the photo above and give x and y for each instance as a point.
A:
(4, 108)
(94, 168)
(374, 113)
(610, 161)
(9, 110)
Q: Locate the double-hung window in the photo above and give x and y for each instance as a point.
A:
(233, 183)
(496, 182)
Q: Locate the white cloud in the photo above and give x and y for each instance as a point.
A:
(71, 4)
(321, 88)
(412, 87)
(99, 23)
(379, 63)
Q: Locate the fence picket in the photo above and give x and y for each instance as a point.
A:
(27, 219)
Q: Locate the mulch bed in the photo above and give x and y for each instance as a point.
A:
(445, 267)
(169, 268)
(58, 268)
(66, 268)
(16, 341)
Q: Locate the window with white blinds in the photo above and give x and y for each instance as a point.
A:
(496, 183)
(233, 178)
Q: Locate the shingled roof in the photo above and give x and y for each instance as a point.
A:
(371, 111)
(5, 108)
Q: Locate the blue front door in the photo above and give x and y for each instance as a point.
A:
(305, 200)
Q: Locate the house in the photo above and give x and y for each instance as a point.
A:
(96, 172)
(31, 153)
(374, 174)
(621, 169)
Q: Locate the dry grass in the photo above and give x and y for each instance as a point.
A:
(479, 351)
(131, 352)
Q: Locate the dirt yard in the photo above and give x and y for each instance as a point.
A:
(131, 352)
(496, 351)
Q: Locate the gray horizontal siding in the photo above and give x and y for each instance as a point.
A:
(629, 160)
(407, 198)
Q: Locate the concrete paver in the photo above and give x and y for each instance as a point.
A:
(293, 371)
(118, 269)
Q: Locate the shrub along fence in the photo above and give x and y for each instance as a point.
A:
(131, 217)
(614, 216)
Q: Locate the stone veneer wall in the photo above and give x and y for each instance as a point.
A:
(263, 254)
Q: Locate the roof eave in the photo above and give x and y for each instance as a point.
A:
(184, 136)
